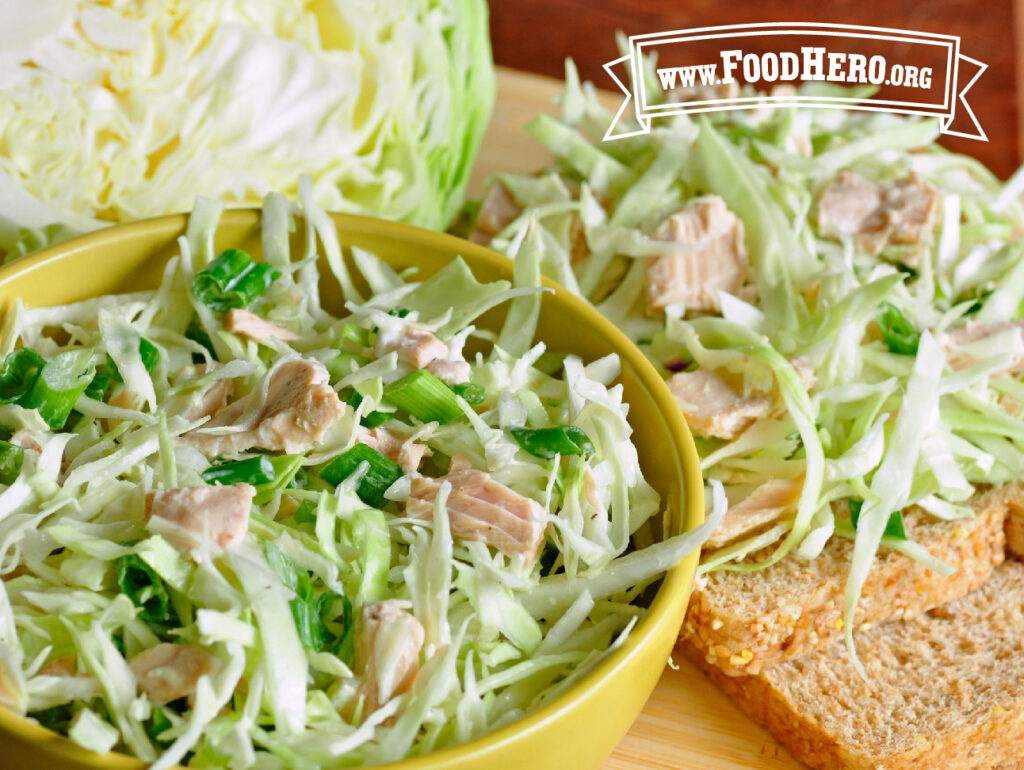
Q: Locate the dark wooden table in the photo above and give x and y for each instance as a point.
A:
(537, 36)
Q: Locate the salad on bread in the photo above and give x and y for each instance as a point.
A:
(836, 302)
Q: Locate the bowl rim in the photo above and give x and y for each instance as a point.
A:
(677, 581)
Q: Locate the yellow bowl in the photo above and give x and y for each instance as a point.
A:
(578, 729)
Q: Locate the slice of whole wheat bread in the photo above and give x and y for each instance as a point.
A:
(944, 689)
(1015, 520)
(745, 621)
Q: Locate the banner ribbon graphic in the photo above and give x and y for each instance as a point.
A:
(924, 70)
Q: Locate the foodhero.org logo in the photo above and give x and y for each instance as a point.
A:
(813, 63)
(810, 65)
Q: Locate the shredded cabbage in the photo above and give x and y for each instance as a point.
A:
(806, 336)
(283, 667)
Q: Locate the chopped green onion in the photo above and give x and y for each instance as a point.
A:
(299, 480)
(309, 611)
(306, 513)
(63, 379)
(548, 442)
(145, 588)
(252, 470)
(148, 352)
(284, 469)
(343, 364)
(894, 527)
(232, 280)
(353, 338)
(11, 459)
(97, 389)
(56, 718)
(157, 726)
(399, 312)
(285, 568)
(375, 419)
(425, 397)
(371, 419)
(381, 474)
(197, 333)
(309, 620)
(471, 393)
(18, 374)
(345, 646)
(550, 362)
(899, 334)
(307, 623)
(548, 559)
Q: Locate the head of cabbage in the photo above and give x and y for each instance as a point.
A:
(121, 110)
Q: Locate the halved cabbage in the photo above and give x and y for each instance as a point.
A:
(117, 111)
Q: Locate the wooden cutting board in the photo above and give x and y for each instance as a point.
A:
(688, 722)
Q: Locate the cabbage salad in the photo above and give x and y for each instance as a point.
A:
(834, 299)
(239, 530)
(112, 111)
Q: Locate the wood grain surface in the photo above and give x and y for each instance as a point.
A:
(538, 35)
(688, 722)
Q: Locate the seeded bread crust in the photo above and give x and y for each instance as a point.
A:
(743, 622)
(945, 689)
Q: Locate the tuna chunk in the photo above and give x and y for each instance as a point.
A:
(70, 686)
(189, 517)
(408, 454)
(62, 666)
(713, 408)
(17, 572)
(387, 652)
(123, 399)
(126, 399)
(496, 212)
(299, 407)
(417, 347)
(214, 398)
(170, 671)
(876, 216)
(500, 209)
(591, 491)
(253, 327)
(975, 331)
(580, 248)
(955, 340)
(479, 508)
(28, 439)
(911, 208)
(848, 204)
(761, 507)
(449, 371)
(804, 372)
(717, 261)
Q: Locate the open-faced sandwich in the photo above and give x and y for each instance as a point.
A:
(836, 303)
